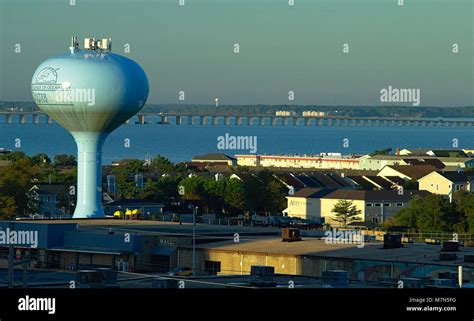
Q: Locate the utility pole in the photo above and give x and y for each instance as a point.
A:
(25, 261)
(194, 239)
(11, 262)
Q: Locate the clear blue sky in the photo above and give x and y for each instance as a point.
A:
(282, 47)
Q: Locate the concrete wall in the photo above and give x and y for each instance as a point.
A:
(239, 263)
(363, 270)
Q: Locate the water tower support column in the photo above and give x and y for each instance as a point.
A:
(89, 174)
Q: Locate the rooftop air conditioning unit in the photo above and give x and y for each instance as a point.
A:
(262, 276)
(392, 241)
(335, 278)
(290, 234)
(88, 278)
(448, 256)
(450, 246)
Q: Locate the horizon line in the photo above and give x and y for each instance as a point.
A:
(270, 105)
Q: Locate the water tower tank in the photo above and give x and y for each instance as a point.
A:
(89, 92)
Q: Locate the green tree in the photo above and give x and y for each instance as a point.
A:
(41, 159)
(8, 208)
(234, 196)
(264, 193)
(149, 190)
(385, 151)
(433, 213)
(168, 188)
(192, 188)
(16, 180)
(346, 212)
(465, 206)
(64, 160)
(14, 156)
(162, 164)
(125, 178)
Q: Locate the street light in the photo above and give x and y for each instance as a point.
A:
(11, 259)
(195, 208)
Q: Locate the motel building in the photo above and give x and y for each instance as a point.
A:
(375, 206)
(322, 161)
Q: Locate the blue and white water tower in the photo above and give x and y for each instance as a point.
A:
(90, 93)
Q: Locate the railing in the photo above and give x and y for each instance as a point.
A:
(434, 237)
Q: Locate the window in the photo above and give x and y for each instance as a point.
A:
(375, 220)
(369, 204)
(387, 204)
(212, 267)
(399, 204)
(377, 204)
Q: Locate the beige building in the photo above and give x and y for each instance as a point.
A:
(375, 206)
(322, 161)
(312, 256)
(306, 203)
(285, 113)
(445, 183)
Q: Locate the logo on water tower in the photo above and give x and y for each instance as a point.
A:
(47, 75)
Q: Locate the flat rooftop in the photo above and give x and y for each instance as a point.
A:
(410, 253)
(154, 227)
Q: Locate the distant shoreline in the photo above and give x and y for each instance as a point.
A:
(270, 110)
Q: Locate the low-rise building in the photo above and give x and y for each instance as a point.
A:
(377, 162)
(157, 247)
(215, 159)
(375, 206)
(423, 161)
(371, 182)
(445, 183)
(457, 153)
(407, 172)
(321, 161)
(48, 197)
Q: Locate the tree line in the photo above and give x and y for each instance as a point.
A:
(173, 185)
(269, 110)
(437, 213)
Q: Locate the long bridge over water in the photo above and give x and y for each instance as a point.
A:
(37, 117)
